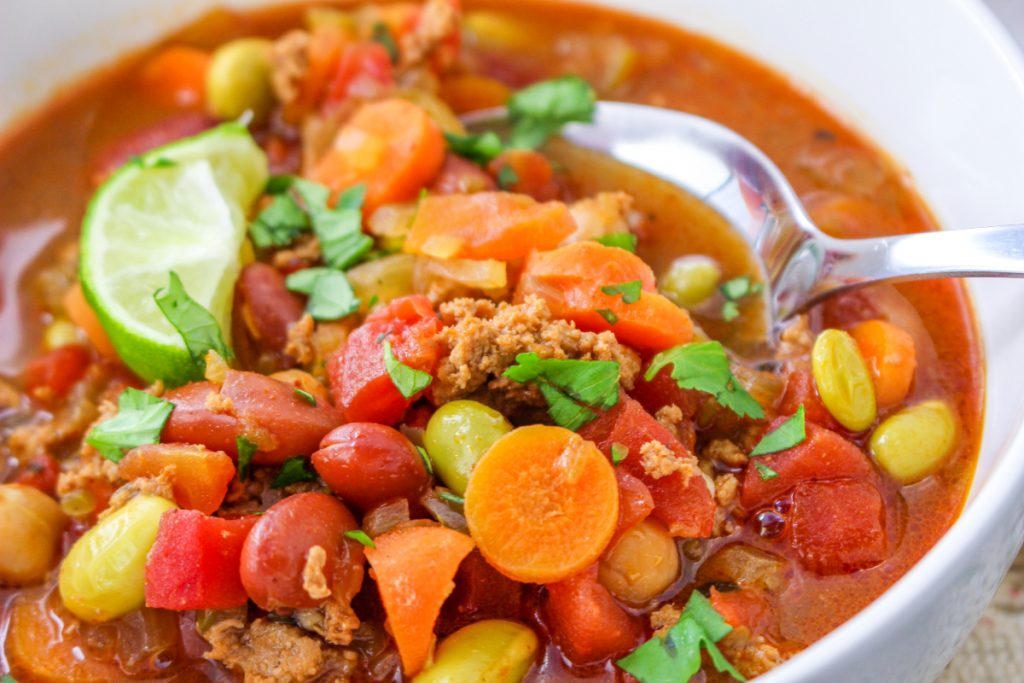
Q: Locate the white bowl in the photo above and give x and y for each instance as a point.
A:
(937, 83)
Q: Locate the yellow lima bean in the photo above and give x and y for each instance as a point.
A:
(30, 527)
(843, 380)
(103, 576)
(458, 435)
(914, 442)
(641, 565)
(489, 651)
(238, 79)
(690, 279)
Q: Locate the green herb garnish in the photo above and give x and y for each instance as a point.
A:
(329, 291)
(608, 315)
(306, 396)
(540, 110)
(764, 471)
(246, 449)
(734, 290)
(196, 325)
(630, 291)
(382, 34)
(507, 177)
(619, 453)
(675, 657)
(279, 224)
(450, 497)
(480, 148)
(570, 387)
(428, 464)
(293, 471)
(140, 419)
(705, 367)
(788, 434)
(361, 536)
(622, 240)
(409, 381)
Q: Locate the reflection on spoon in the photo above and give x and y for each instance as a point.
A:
(19, 248)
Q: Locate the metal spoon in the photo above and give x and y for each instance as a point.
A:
(802, 265)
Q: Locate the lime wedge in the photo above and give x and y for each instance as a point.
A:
(178, 208)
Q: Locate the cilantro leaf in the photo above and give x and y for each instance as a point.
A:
(507, 177)
(428, 464)
(340, 233)
(480, 148)
(735, 289)
(382, 34)
(788, 434)
(540, 110)
(630, 291)
(279, 224)
(676, 656)
(705, 367)
(408, 381)
(622, 240)
(196, 325)
(329, 291)
(766, 473)
(140, 419)
(450, 497)
(293, 471)
(564, 382)
(619, 453)
(608, 315)
(306, 396)
(246, 449)
(563, 410)
(362, 537)
(352, 198)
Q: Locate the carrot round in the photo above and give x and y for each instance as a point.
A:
(542, 504)
(414, 568)
(890, 356)
(82, 315)
(471, 92)
(176, 76)
(391, 145)
(487, 225)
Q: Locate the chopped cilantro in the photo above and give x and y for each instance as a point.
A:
(8, 678)
(352, 198)
(608, 315)
(330, 294)
(675, 657)
(382, 34)
(306, 396)
(293, 471)
(705, 367)
(480, 148)
(340, 233)
(140, 419)
(450, 497)
(764, 471)
(570, 387)
(630, 291)
(361, 536)
(428, 464)
(619, 453)
(734, 290)
(507, 177)
(246, 449)
(539, 111)
(788, 434)
(408, 381)
(279, 224)
(622, 240)
(196, 325)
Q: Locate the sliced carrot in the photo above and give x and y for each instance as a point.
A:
(530, 170)
(176, 76)
(391, 145)
(542, 504)
(82, 315)
(891, 357)
(199, 477)
(487, 225)
(469, 92)
(570, 279)
(414, 568)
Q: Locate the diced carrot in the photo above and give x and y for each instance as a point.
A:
(391, 145)
(570, 279)
(487, 225)
(530, 172)
(470, 92)
(542, 504)
(891, 358)
(414, 567)
(176, 76)
(743, 607)
(822, 455)
(682, 502)
(635, 503)
(199, 477)
(586, 622)
(82, 315)
(838, 526)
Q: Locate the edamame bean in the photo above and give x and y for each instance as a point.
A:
(30, 527)
(489, 651)
(238, 79)
(843, 380)
(103, 576)
(691, 279)
(641, 565)
(458, 435)
(914, 442)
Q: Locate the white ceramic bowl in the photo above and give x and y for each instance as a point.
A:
(937, 83)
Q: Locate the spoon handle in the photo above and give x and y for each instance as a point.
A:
(978, 252)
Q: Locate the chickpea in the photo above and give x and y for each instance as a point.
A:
(691, 279)
(458, 435)
(30, 528)
(238, 79)
(843, 380)
(489, 651)
(914, 442)
(641, 565)
(103, 576)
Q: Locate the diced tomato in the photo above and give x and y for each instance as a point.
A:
(823, 455)
(664, 391)
(530, 172)
(40, 472)
(362, 387)
(481, 592)
(743, 607)
(586, 622)
(682, 503)
(459, 176)
(50, 376)
(800, 391)
(838, 526)
(635, 503)
(363, 71)
(195, 562)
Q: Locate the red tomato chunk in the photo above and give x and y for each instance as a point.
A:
(50, 376)
(838, 526)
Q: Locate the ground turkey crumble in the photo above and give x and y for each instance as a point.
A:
(482, 339)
